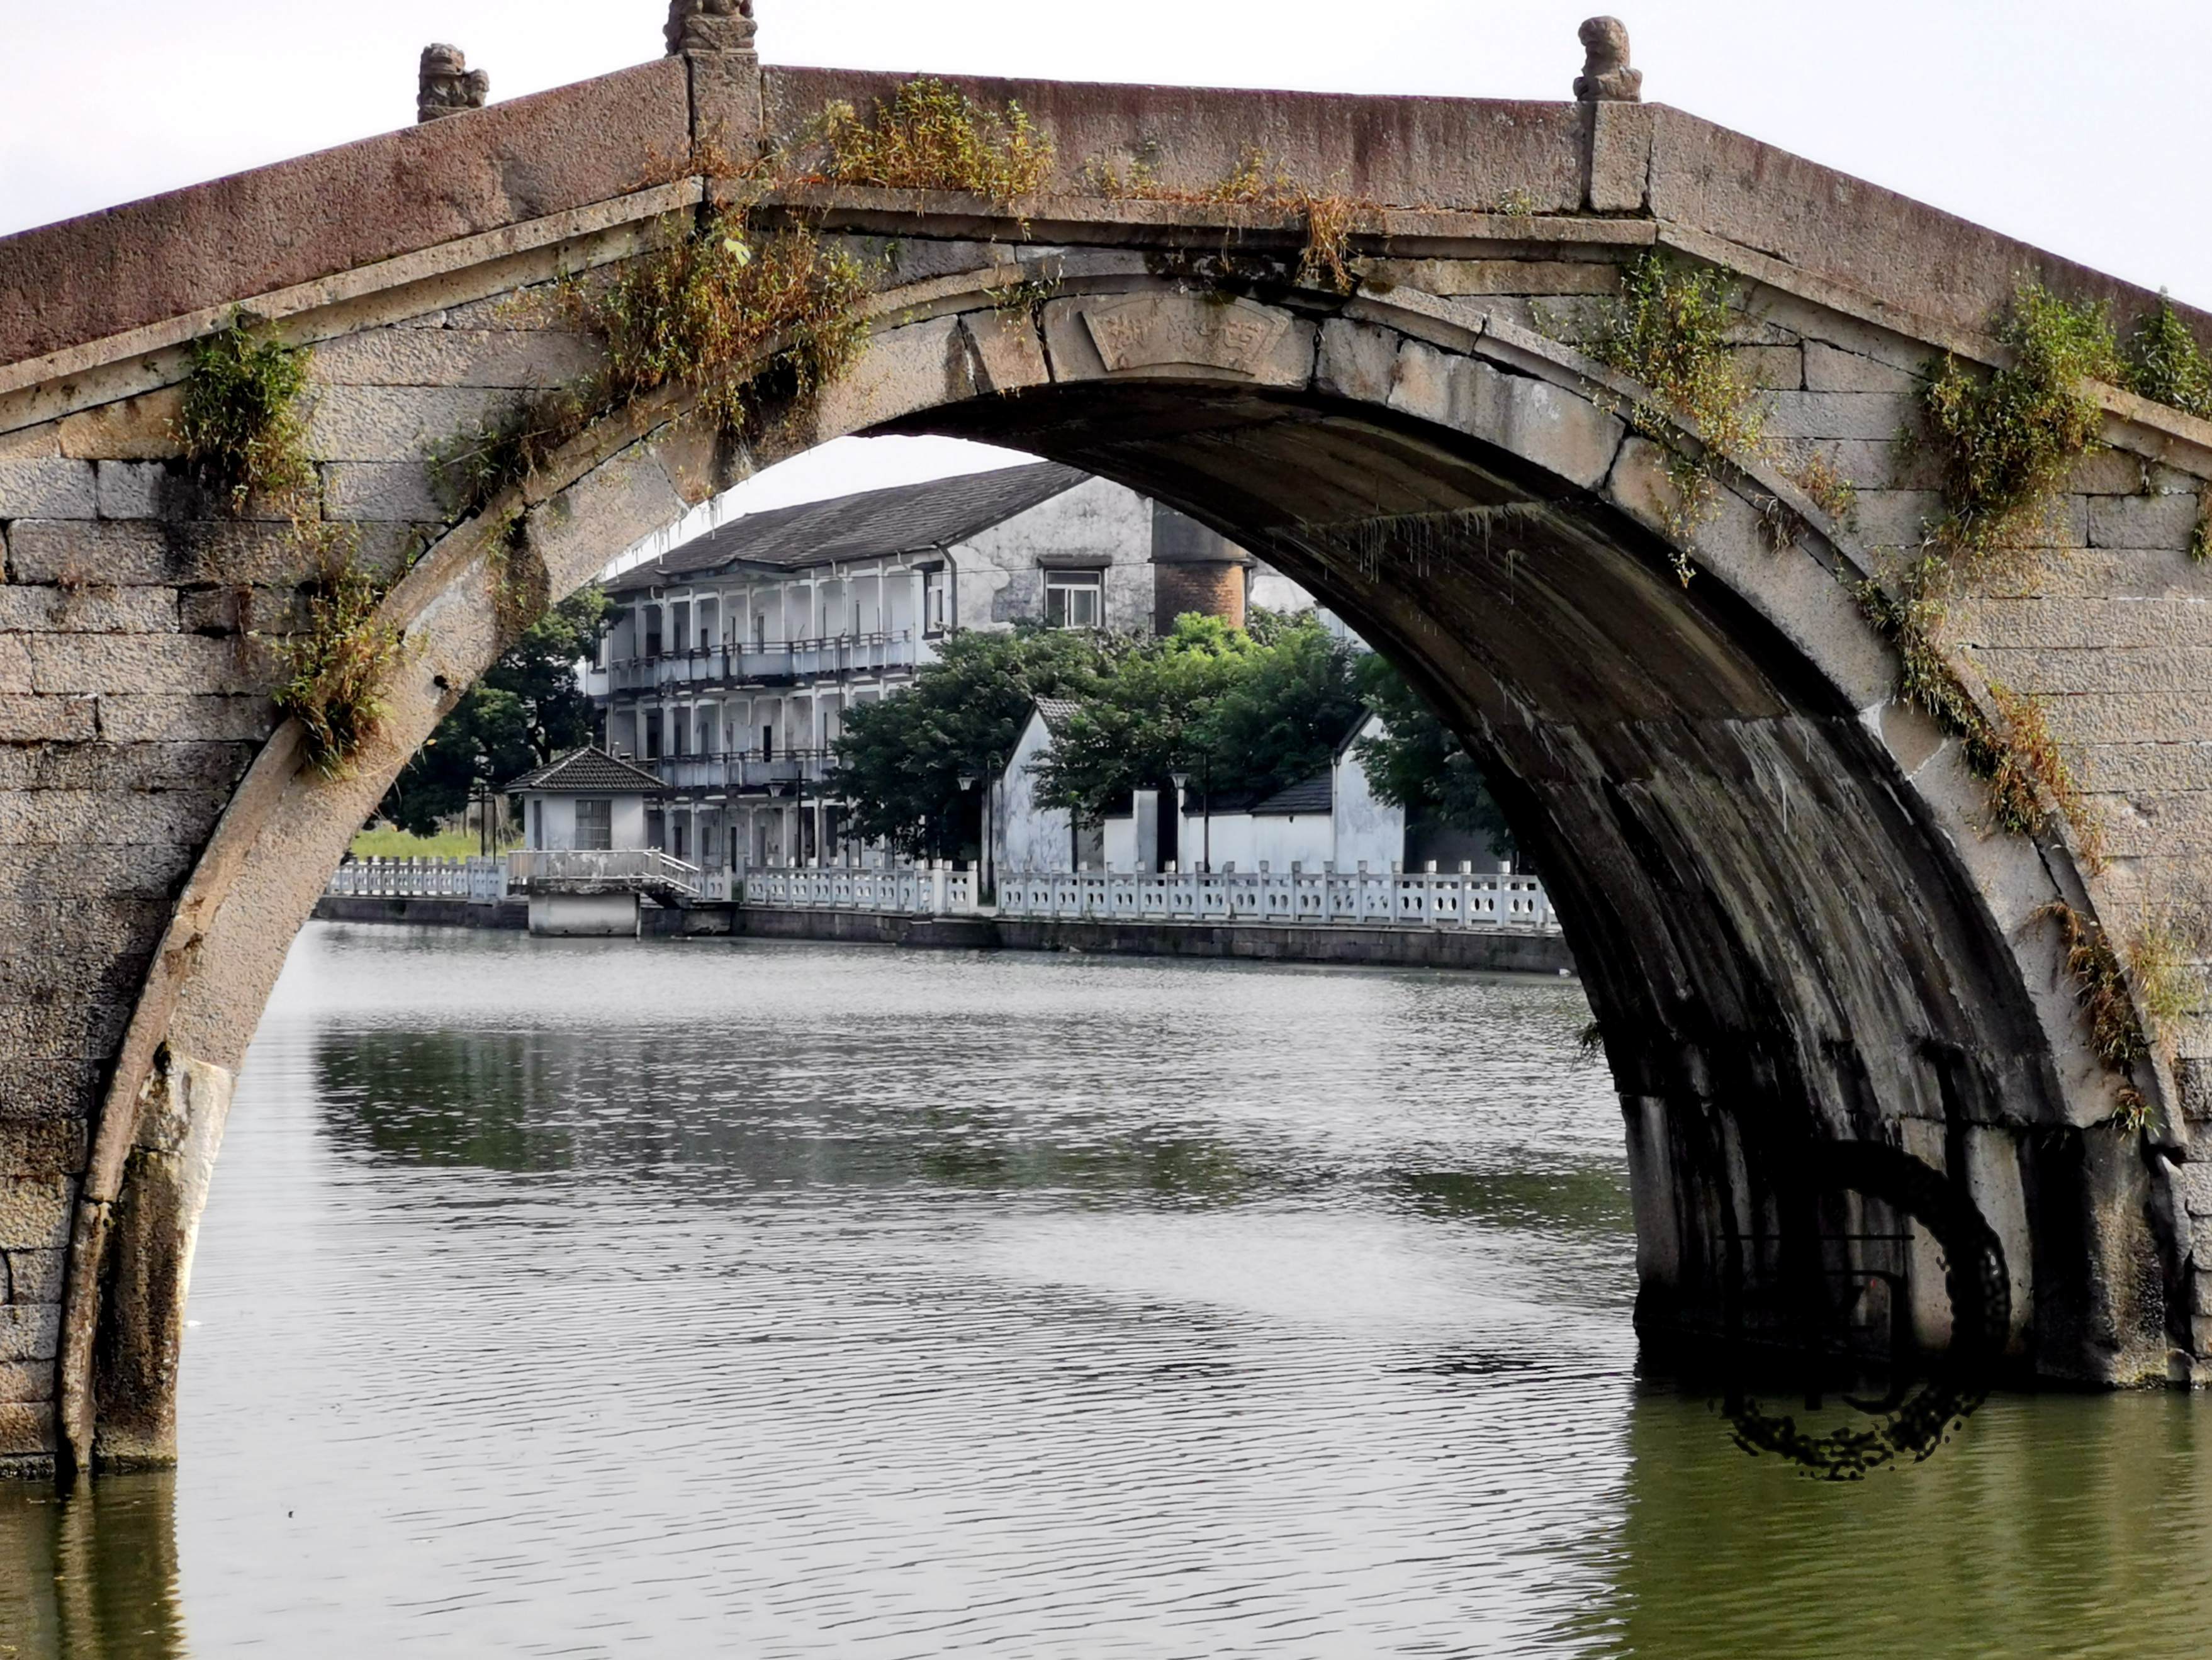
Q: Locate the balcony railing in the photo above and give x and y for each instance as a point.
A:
(736, 770)
(737, 664)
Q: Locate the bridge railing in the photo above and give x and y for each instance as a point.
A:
(639, 869)
(480, 879)
(925, 890)
(1413, 899)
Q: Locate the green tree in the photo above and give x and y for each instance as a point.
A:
(1141, 723)
(1279, 721)
(1421, 765)
(528, 709)
(900, 761)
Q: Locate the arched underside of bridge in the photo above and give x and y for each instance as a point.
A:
(1776, 880)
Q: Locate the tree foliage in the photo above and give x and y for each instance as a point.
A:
(900, 761)
(527, 709)
(1419, 764)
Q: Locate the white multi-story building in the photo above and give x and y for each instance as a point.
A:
(731, 663)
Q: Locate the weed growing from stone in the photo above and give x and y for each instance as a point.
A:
(1667, 331)
(336, 668)
(732, 313)
(2102, 988)
(1820, 478)
(2166, 364)
(2015, 756)
(2200, 539)
(240, 427)
(930, 136)
(2008, 441)
(1256, 181)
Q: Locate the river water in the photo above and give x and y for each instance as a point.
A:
(714, 1298)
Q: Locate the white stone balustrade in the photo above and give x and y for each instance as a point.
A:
(1294, 898)
(926, 891)
(480, 879)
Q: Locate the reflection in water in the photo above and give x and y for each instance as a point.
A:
(93, 1577)
(594, 1298)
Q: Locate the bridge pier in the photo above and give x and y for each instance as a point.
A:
(585, 915)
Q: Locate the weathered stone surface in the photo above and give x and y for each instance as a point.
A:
(33, 719)
(72, 1032)
(446, 86)
(263, 230)
(81, 553)
(1451, 278)
(390, 492)
(2142, 521)
(134, 489)
(14, 666)
(533, 359)
(1829, 368)
(394, 423)
(180, 766)
(43, 1091)
(2062, 672)
(1621, 157)
(29, 1333)
(24, 1382)
(2162, 768)
(180, 665)
(1776, 369)
(141, 428)
(140, 870)
(1356, 362)
(2086, 624)
(57, 488)
(29, 817)
(105, 610)
(34, 1212)
(26, 1429)
(37, 1275)
(171, 720)
(1871, 416)
(54, 1148)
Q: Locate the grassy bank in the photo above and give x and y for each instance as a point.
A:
(399, 844)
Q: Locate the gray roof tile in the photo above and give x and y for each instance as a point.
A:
(588, 771)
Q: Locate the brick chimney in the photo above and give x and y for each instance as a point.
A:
(1195, 569)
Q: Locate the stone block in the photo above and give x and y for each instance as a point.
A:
(536, 358)
(394, 423)
(37, 1275)
(24, 1382)
(381, 492)
(34, 1212)
(1452, 279)
(1007, 350)
(39, 443)
(55, 489)
(2102, 671)
(1775, 368)
(14, 666)
(1543, 423)
(26, 1429)
(178, 664)
(2142, 521)
(53, 1147)
(212, 719)
(2167, 768)
(62, 1031)
(2108, 472)
(141, 428)
(30, 608)
(76, 818)
(1620, 156)
(2083, 624)
(44, 1091)
(137, 553)
(2196, 1189)
(1886, 465)
(244, 611)
(30, 1333)
(1154, 335)
(2123, 718)
(1870, 416)
(1831, 368)
(47, 720)
(146, 871)
(1356, 362)
(134, 489)
(1895, 518)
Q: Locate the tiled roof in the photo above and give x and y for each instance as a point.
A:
(1315, 794)
(588, 771)
(1057, 712)
(875, 525)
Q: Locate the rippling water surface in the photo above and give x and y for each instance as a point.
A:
(721, 1297)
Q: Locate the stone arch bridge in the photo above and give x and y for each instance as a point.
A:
(1791, 915)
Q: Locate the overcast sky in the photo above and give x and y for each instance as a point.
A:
(2079, 128)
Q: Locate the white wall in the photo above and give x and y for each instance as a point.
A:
(560, 830)
(1030, 837)
(1287, 839)
(1365, 827)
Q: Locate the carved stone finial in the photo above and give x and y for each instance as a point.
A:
(449, 85)
(710, 25)
(1605, 77)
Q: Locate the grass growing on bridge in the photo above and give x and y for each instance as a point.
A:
(931, 137)
(240, 427)
(2166, 364)
(2117, 989)
(1256, 181)
(1667, 330)
(336, 669)
(2008, 441)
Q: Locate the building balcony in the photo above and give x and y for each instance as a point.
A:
(776, 663)
(744, 771)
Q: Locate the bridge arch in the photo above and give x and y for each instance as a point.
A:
(1776, 878)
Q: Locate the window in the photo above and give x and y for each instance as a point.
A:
(537, 822)
(652, 735)
(936, 600)
(595, 826)
(1074, 598)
